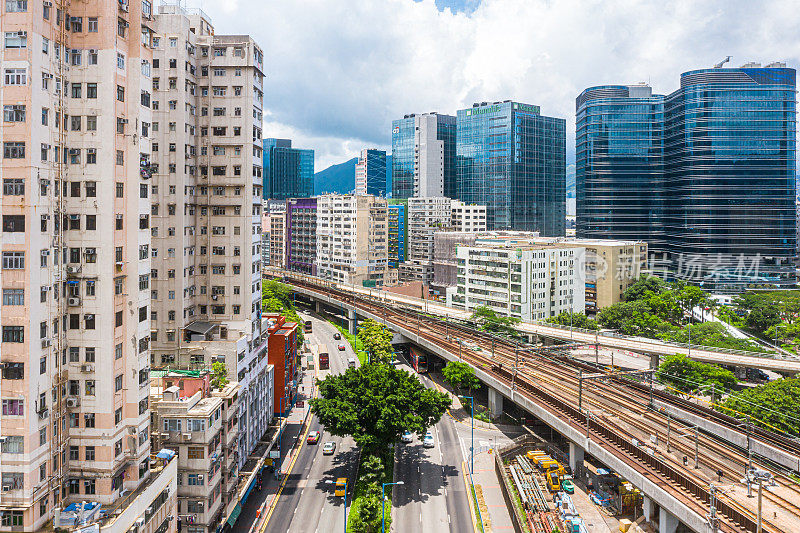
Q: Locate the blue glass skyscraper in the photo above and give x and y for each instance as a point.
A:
(724, 189)
(397, 222)
(512, 159)
(288, 172)
(619, 162)
(371, 172)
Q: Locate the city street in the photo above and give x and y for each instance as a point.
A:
(307, 503)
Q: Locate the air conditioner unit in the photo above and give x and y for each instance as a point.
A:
(214, 297)
(200, 478)
(74, 301)
(132, 430)
(149, 510)
(73, 402)
(187, 436)
(89, 251)
(45, 343)
(6, 488)
(92, 50)
(73, 269)
(123, 121)
(87, 368)
(22, 33)
(48, 3)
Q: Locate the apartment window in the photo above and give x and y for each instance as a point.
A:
(13, 408)
(13, 296)
(13, 260)
(91, 123)
(237, 91)
(89, 456)
(118, 416)
(122, 26)
(77, 24)
(89, 355)
(117, 447)
(13, 444)
(13, 186)
(194, 452)
(91, 222)
(91, 90)
(118, 383)
(75, 125)
(14, 113)
(88, 420)
(89, 321)
(220, 91)
(16, 39)
(120, 61)
(120, 93)
(14, 150)
(43, 365)
(91, 156)
(13, 371)
(92, 25)
(15, 76)
(118, 319)
(13, 223)
(16, 6)
(89, 486)
(120, 157)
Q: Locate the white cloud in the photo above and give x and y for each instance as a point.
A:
(338, 72)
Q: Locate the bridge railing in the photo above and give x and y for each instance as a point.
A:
(428, 304)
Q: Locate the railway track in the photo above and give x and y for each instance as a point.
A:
(517, 365)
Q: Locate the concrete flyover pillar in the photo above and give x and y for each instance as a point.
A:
(647, 508)
(317, 307)
(667, 523)
(654, 361)
(575, 458)
(351, 321)
(495, 402)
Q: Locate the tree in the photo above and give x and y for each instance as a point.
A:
(576, 320)
(377, 341)
(691, 296)
(272, 305)
(369, 513)
(276, 297)
(219, 375)
(687, 375)
(645, 287)
(712, 334)
(632, 318)
(375, 403)
(460, 376)
(773, 405)
(488, 320)
(761, 318)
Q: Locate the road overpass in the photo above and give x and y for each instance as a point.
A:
(601, 428)
(652, 347)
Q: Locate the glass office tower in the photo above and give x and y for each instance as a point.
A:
(512, 159)
(288, 172)
(371, 172)
(423, 156)
(722, 201)
(619, 163)
(397, 222)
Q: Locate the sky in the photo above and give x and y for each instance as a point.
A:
(339, 71)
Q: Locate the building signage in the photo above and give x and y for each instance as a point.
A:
(396, 129)
(483, 110)
(527, 108)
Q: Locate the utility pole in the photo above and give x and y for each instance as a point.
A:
(596, 350)
(580, 389)
(712, 508)
(669, 421)
(696, 446)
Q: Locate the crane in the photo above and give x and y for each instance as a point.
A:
(719, 65)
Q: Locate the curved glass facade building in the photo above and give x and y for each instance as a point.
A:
(714, 165)
(619, 163)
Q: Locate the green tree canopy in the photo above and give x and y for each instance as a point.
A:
(576, 320)
(276, 297)
(375, 404)
(377, 341)
(369, 512)
(489, 320)
(687, 375)
(219, 375)
(712, 334)
(633, 318)
(775, 405)
(460, 376)
(645, 287)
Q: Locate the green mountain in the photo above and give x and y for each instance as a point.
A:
(341, 178)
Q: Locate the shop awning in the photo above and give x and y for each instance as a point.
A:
(234, 514)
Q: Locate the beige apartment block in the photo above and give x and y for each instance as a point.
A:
(426, 216)
(611, 267)
(75, 255)
(207, 93)
(352, 240)
(467, 217)
(277, 239)
(201, 427)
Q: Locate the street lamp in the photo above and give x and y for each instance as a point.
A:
(328, 481)
(383, 505)
(760, 476)
(472, 434)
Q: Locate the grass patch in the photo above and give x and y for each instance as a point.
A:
(357, 498)
(354, 343)
(517, 503)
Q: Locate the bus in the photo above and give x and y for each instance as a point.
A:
(419, 360)
(324, 357)
(307, 326)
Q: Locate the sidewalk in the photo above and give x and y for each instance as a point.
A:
(259, 503)
(493, 508)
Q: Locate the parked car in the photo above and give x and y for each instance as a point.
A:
(427, 442)
(328, 448)
(313, 437)
(337, 335)
(341, 347)
(407, 436)
(567, 486)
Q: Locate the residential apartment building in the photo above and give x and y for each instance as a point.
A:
(397, 239)
(423, 156)
(512, 158)
(288, 172)
(641, 174)
(202, 430)
(519, 278)
(371, 172)
(283, 359)
(426, 216)
(276, 220)
(352, 240)
(75, 252)
(301, 235)
(467, 217)
(611, 267)
(206, 201)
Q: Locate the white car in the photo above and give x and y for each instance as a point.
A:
(407, 436)
(427, 442)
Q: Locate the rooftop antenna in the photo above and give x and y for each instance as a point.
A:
(719, 65)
